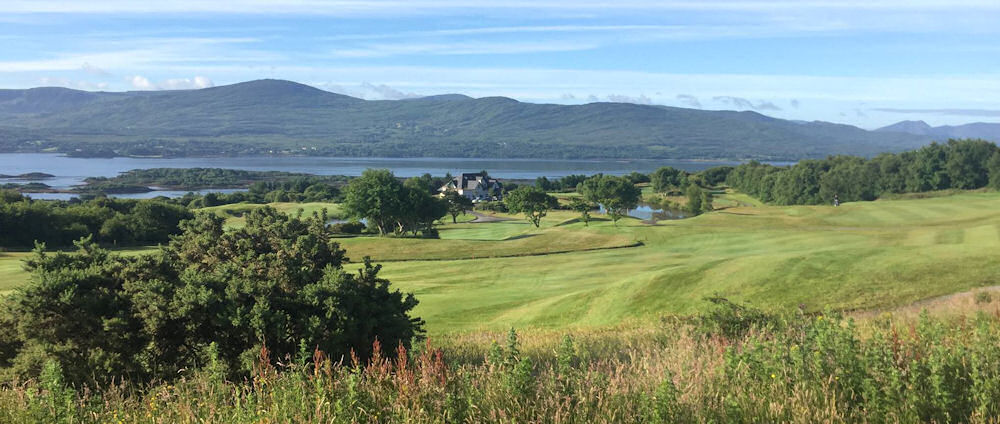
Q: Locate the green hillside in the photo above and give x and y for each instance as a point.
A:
(857, 256)
(271, 116)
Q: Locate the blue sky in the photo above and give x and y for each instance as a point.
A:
(866, 63)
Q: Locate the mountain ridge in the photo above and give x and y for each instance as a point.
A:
(285, 117)
(984, 130)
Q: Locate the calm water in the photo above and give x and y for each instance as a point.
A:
(71, 171)
(649, 213)
(147, 195)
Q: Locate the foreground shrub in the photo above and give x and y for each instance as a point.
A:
(209, 296)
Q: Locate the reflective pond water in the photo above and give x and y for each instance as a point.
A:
(649, 213)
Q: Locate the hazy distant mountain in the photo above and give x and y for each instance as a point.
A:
(272, 116)
(983, 130)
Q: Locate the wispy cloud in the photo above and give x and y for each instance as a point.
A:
(385, 92)
(951, 112)
(741, 103)
(689, 100)
(621, 98)
(459, 48)
(351, 7)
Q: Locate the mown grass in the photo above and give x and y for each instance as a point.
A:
(857, 256)
(485, 240)
(12, 274)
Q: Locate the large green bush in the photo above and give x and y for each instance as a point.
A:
(275, 286)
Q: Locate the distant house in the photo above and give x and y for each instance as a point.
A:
(476, 186)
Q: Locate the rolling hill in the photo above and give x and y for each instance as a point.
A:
(984, 130)
(275, 117)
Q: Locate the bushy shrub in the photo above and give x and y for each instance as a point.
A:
(500, 207)
(275, 285)
(350, 227)
(733, 320)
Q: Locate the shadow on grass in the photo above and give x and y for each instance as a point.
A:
(518, 237)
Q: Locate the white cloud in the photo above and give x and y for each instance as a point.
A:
(185, 83)
(140, 82)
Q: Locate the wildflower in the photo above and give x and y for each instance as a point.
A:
(773, 376)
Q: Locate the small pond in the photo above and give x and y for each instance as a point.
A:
(650, 213)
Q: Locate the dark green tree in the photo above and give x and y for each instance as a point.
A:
(616, 194)
(583, 207)
(377, 196)
(695, 200)
(667, 179)
(457, 204)
(532, 201)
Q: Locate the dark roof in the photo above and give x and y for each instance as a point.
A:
(471, 180)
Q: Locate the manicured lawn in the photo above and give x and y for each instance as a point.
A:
(860, 255)
(12, 273)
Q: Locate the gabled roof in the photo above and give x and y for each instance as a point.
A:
(471, 181)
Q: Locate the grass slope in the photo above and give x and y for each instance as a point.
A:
(486, 240)
(861, 255)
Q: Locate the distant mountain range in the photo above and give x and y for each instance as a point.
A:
(283, 117)
(987, 131)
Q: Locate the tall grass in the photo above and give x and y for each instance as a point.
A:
(722, 368)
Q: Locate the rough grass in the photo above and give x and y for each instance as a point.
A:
(792, 369)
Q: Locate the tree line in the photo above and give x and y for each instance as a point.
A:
(113, 221)
(957, 164)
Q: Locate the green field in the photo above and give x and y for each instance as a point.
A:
(491, 276)
(12, 272)
(860, 255)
